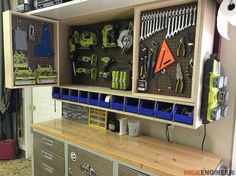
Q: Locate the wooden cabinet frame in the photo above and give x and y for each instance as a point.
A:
(8, 45)
(203, 46)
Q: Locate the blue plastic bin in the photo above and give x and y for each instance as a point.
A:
(83, 97)
(64, 94)
(102, 102)
(74, 95)
(93, 98)
(161, 113)
(118, 103)
(131, 105)
(147, 107)
(56, 92)
(186, 119)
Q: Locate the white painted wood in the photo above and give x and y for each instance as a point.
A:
(84, 7)
(45, 108)
(27, 112)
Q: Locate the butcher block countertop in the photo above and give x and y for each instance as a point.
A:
(151, 154)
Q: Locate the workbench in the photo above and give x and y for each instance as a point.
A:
(144, 154)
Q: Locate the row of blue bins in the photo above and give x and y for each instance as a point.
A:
(178, 113)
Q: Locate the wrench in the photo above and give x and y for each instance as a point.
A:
(194, 15)
(160, 21)
(163, 20)
(142, 26)
(179, 24)
(186, 18)
(145, 26)
(168, 27)
(166, 19)
(183, 18)
(176, 21)
(190, 17)
(172, 23)
(157, 21)
(148, 25)
(153, 23)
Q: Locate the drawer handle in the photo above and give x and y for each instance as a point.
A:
(88, 170)
(46, 155)
(47, 141)
(47, 168)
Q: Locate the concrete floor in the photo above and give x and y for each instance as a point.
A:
(18, 167)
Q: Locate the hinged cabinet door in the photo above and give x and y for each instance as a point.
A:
(30, 50)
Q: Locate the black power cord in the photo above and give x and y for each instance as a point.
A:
(167, 133)
(204, 137)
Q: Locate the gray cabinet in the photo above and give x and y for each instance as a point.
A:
(37, 173)
(49, 144)
(83, 163)
(125, 171)
(49, 157)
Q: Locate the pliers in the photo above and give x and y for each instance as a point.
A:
(179, 79)
(181, 45)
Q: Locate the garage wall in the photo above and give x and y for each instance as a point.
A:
(219, 138)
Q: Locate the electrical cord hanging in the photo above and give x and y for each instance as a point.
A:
(167, 133)
(204, 137)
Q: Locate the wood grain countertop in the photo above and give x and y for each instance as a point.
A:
(151, 154)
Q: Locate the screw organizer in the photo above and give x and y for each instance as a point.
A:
(98, 118)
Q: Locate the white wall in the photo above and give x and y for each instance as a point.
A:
(45, 108)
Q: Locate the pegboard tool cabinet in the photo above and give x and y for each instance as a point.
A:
(162, 96)
(30, 50)
(198, 38)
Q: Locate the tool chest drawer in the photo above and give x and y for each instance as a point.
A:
(45, 156)
(30, 50)
(49, 144)
(37, 173)
(125, 171)
(81, 162)
(47, 169)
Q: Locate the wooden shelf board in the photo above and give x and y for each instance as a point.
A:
(77, 8)
(33, 85)
(129, 114)
(60, 11)
(97, 89)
